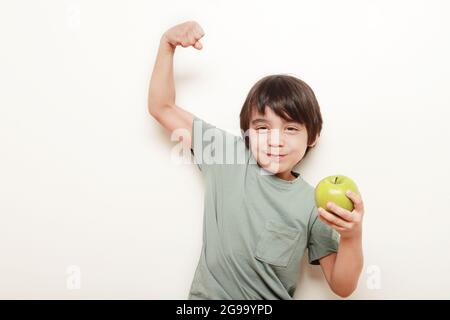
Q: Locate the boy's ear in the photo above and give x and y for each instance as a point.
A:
(315, 142)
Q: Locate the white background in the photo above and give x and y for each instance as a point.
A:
(87, 178)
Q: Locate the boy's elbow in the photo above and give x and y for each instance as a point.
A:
(154, 110)
(344, 293)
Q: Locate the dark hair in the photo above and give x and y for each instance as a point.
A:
(289, 97)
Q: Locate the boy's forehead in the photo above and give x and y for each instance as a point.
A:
(269, 116)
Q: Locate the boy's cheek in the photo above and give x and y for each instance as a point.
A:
(256, 147)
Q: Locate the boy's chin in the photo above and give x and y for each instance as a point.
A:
(272, 167)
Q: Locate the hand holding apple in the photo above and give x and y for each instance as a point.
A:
(340, 195)
(333, 189)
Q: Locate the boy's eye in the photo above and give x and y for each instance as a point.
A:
(288, 129)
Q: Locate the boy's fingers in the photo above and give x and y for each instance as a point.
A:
(199, 31)
(197, 36)
(330, 217)
(198, 45)
(337, 228)
(344, 214)
(357, 200)
(194, 40)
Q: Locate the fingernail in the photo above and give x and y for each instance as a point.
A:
(349, 192)
(329, 205)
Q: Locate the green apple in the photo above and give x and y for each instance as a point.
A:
(333, 189)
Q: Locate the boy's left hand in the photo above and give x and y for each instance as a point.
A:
(348, 224)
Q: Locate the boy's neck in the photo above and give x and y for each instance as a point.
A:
(286, 175)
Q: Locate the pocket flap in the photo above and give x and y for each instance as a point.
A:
(277, 244)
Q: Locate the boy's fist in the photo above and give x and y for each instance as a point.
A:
(185, 34)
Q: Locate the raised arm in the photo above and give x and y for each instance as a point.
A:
(161, 95)
(343, 269)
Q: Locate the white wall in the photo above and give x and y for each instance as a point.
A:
(86, 177)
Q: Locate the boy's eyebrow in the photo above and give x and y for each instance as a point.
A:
(259, 120)
(266, 121)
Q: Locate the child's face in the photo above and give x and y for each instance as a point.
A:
(271, 135)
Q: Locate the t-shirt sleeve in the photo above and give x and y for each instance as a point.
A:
(323, 239)
(211, 147)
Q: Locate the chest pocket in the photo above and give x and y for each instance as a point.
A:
(277, 243)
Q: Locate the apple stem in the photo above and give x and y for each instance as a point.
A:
(335, 180)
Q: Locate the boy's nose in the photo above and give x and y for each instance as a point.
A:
(275, 139)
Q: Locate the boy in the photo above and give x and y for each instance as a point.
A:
(259, 214)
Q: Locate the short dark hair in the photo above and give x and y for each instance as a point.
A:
(289, 97)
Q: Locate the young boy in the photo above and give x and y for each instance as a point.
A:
(259, 214)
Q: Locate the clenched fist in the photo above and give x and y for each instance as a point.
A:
(185, 34)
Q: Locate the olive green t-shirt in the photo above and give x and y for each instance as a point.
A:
(256, 226)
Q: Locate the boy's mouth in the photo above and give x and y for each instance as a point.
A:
(276, 156)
